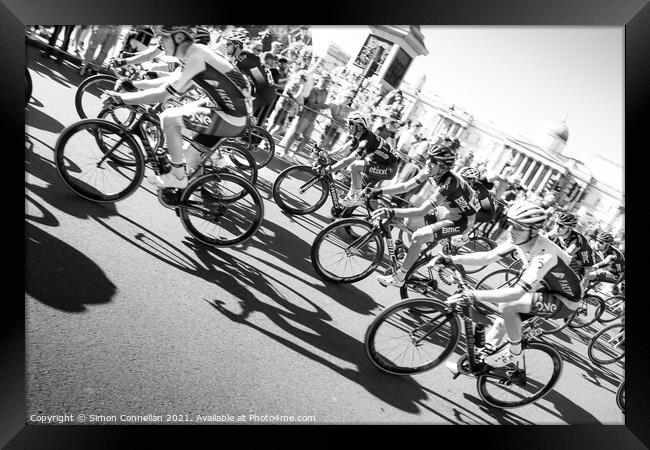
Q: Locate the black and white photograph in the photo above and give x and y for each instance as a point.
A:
(324, 224)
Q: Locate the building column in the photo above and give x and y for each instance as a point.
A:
(520, 168)
(537, 176)
(495, 163)
(388, 61)
(542, 185)
(529, 172)
(518, 157)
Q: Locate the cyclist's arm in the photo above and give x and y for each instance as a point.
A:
(483, 258)
(402, 187)
(486, 204)
(346, 148)
(343, 163)
(143, 56)
(605, 262)
(419, 211)
(155, 91)
(529, 281)
(146, 84)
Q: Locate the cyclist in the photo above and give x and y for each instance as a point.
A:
(574, 243)
(548, 287)
(449, 211)
(371, 158)
(487, 213)
(251, 65)
(202, 36)
(611, 265)
(222, 110)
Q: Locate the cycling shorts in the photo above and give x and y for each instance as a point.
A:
(374, 171)
(547, 304)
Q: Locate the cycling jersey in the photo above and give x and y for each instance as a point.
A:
(262, 80)
(455, 190)
(546, 267)
(225, 90)
(618, 264)
(375, 149)
(583, 255)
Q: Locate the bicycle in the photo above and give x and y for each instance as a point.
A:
(589, 310)
(89, 103)
(614, 308)
(608, 345)
(418, 334)
(28, 86)
(620, 396)
(311, 186)
(214, 207)
(365, 240)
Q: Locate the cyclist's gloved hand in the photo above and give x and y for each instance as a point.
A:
(112, 99)
(125, 84)
(382, 213)
(445, 260)
(372, 193)
(464, 299)
(118, 62)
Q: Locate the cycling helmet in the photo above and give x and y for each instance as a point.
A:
(605, 238)
(470, 174)
(167, 30)
(202, 35)
(236, 36)
(442, 154)
(359, 118)
(527, 214)
(567, 219)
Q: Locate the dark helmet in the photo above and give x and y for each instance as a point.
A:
(202, 35)
(567, 219)
(443, 154)
(167, 30)
(605, 238)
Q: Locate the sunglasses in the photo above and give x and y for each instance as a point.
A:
(517, 227)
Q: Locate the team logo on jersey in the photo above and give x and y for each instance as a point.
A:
(558, 275)
(446, 230)
(378, 171)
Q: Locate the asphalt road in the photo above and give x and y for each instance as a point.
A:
(127, 314)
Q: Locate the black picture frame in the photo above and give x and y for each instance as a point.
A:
(634, 15)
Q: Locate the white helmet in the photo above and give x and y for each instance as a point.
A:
(527, 214)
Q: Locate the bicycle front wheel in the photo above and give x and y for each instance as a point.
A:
(620, 396)
(608, 345)
(261, 145)
(589, 310)
(614, 308)
(85, 156)
(87, 98)
(346, 251)
(412, 336)
(214, 211)
(299, 190)
(541, 371)
(235, 159)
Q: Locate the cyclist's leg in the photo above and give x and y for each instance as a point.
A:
(172, 124)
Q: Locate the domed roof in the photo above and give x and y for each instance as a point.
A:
(558, 129)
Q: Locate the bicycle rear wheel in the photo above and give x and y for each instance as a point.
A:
(299, 190)
(339, 256)
(475, 244)
(83, 157)
(261, 147)
(420, 281)
(412, 336)
(500, 278)
(542, 370)
(214, 211)
(608, 345)
(589, 310)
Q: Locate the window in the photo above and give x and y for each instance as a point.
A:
(363, 58)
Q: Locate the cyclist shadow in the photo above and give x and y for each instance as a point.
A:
(36, 118)
(502, 416)
(311, 327)
(45, 218)
(46, 67)
(591, 373)
(58, 275)
(55, 193)
(296, 253)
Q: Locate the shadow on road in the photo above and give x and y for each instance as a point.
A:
(60, 276)
(37, 119)
(48, 68)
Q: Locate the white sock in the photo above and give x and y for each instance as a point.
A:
(401, 274)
